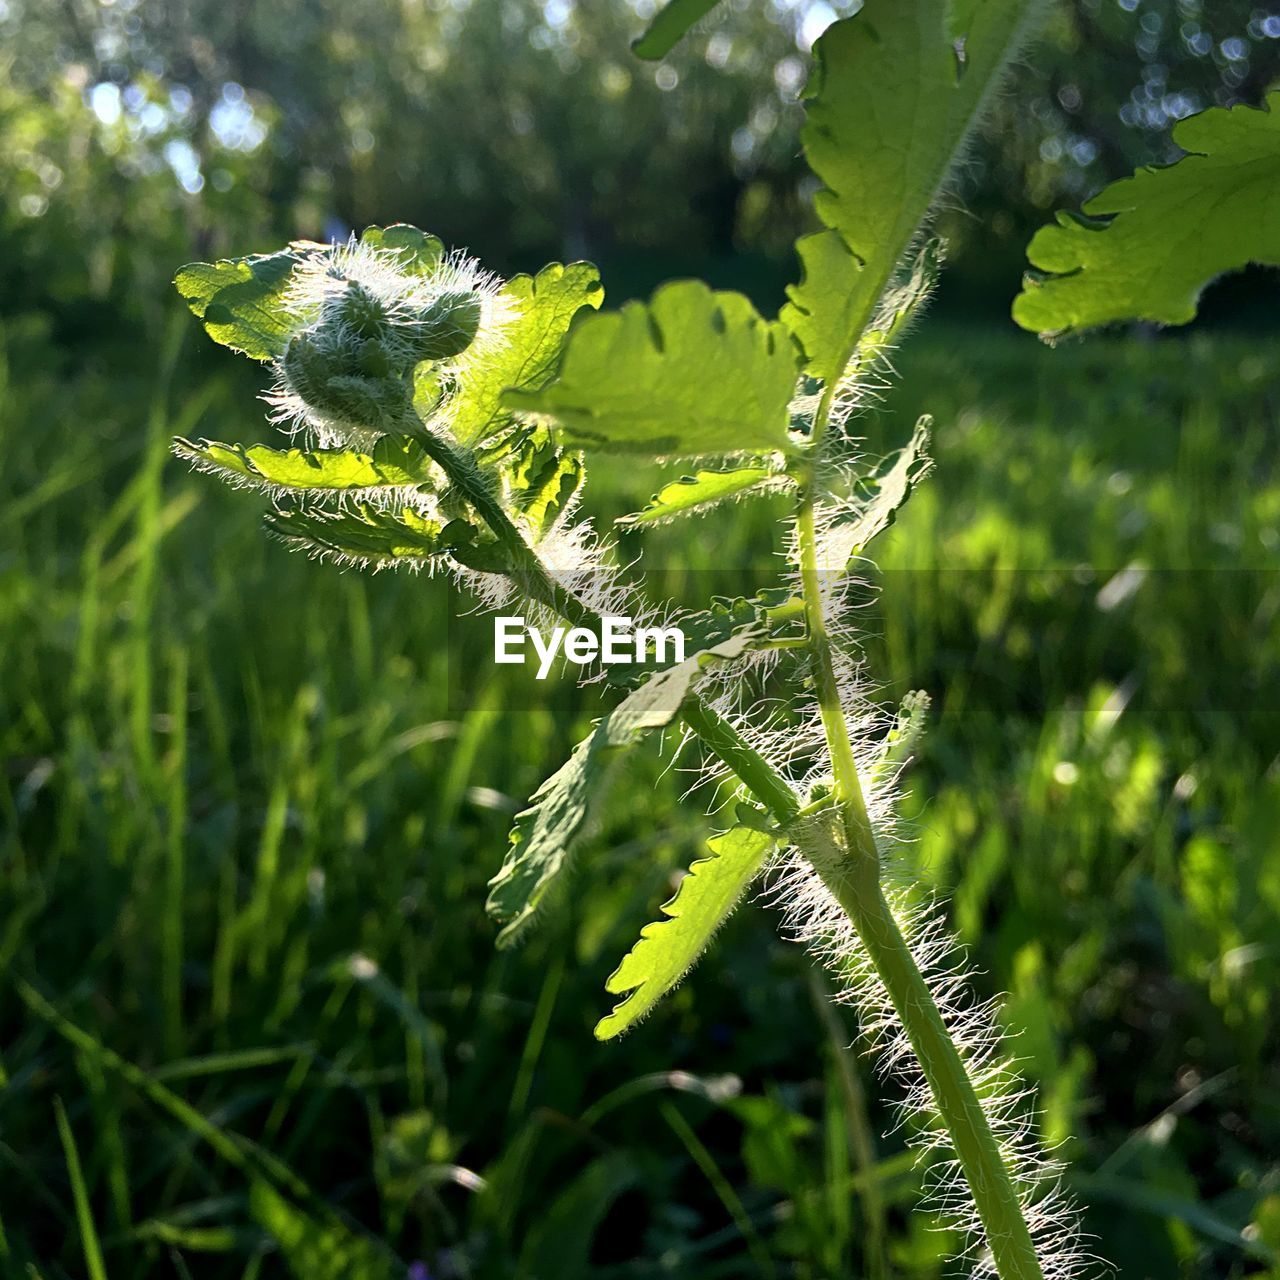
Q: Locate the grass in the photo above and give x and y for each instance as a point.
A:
(251, 1018)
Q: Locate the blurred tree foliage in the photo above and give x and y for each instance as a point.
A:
(134, 133)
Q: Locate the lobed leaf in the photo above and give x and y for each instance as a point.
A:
(695, 493)
(669, 948)
(894, 95)
(395, 462)
(546, 834)
(692, 372)
(889, 488)
(1153, 241)
(545, 306)
(668, 27)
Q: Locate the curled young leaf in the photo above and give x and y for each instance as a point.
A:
(692, 372)
(540, 479)
(669, 948)
(886, 491)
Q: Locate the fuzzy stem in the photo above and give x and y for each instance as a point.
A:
(527, 570)
(852, 874)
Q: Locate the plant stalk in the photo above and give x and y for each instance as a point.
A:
(852, 874)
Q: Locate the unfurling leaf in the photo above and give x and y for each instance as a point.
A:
(394, 462)
(545, 305)
(669, 948)
(889, 488)
(540, 478)
(773, 613)
(668, 27)
(894, 95)
(692, 372)
(1167, 232)
(695, 493)
(546, 834)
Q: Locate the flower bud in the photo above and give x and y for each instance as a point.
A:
(444, 328)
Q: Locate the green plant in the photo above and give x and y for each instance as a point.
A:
(443, 418)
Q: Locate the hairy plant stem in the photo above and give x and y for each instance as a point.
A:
(530, 574)
(850, 868)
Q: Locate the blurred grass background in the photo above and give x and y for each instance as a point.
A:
(252, 1023)
(246, 834)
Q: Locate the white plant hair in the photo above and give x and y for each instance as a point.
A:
(322, 278)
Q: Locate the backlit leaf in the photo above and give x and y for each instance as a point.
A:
(669, 948)
(240, 301)
(694, 493)
(692, 372)
(546, 834)
(895, 92)
(545, 305)
(363, 535)
(1152, 242)
(395, 462)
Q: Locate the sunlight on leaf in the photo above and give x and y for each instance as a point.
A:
(695, 493)
(546, 834)
(1167, 231)
(692, 372)
(669, 948)
(890, 105)
(394, 462)
(545, 305)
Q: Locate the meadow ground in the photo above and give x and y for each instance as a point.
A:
(252, 1021)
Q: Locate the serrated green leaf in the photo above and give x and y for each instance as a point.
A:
(546, 834)
(395, 462)
(888, 489)
(669, 948)
(693, 372)
(363, 535)
(668, 27)
(695, 493)
(891, 103)
(1168, 231)
(540, 478)
(545, 306)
